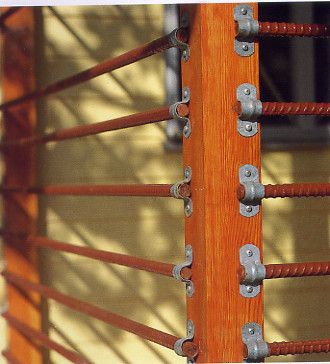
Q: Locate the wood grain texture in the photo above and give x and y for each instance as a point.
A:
(20, 211)
(215, 151)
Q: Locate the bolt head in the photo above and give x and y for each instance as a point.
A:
(187, 173)
(247, 173)
(248, 208)
(247, 91)
(249, 253)
(188, 209)
(243, 11)
(189, 289)
(248, 127)
(185, 92)
(245, 47)
(185, 130)
(251, 331)
(249, 289)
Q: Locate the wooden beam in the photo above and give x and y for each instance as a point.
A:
(20, 210)
(215, 151)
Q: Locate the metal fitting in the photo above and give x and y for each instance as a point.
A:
(247, 29)
(243, 15)
(184, 119)
(175, 191)
(178, 268)
(254, 192)
(249, 177)
(254, 271)
(176, 42)
(257, 348)
(251, 110)
(190, 335)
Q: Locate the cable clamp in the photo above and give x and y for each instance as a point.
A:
(178, 269)
(254, 191)
(175, 191)
(176, 42)
(178, 345)
(247, 28)
(184, 119)
(257, 348)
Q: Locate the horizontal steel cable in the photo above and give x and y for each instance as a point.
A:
(44, 340)
(147, 50)
(8, 13)
(291, 270)
(299, 347)
(146, 117)
(123, 323)
(296, 108)
(293, 29)
(144, 190)
(109, 257)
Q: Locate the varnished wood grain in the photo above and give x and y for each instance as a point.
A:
(20, 211)
(215, 151)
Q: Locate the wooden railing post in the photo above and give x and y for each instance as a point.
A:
(20, 210)
(215, 151)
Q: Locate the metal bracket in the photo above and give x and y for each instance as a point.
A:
(243, 44)
(179, 343)
(176, 116)
(257, 348)
(188, 205)
(248, 174)
(251, 109)
(255, 272)
(184, 47)
(190, 289)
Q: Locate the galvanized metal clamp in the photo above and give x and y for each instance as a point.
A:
(247, 29)
(184, 47)
(254, 271)
(178, 268)
(254, 190)
(184, 119)
(251, 110)
(257, 348)
(175, 191)
(179, 343)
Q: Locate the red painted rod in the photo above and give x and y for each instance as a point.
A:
(299, 347)
(147, 50)
(147, 117)
(271, 29)
(296, 108)
(292, 270)
(109, 257)
(10, 357)
(291, 190)
(148, 333)
(145, 190)
(44, 340)
(9, 12)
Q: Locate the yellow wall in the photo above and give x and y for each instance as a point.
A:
(74, 39)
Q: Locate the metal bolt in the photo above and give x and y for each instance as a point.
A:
(187, 173)
(248, 208)
(248, 127)
(247, 91)
(251, 331)
(185, 130)
(243, 11)
(249, 253)
(189, 289)
(185, 55)
(245, 47)
(185, 92)
(249, 289)
(188, 209)
(247, 173)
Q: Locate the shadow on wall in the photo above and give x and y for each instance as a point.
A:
(75, 39)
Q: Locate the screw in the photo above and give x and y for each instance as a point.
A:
(185, 92)
(245, 47)
(247, 91)
(189, 289)
(251, 331)
(247, 173)
(187, 172)
(243, 11)
(248, 208)
(185, 55)
(186, 131)
(188, 209)
(248, 127)
(249, 289)
(249, 253)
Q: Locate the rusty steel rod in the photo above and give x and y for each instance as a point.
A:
(289, 190)
(271, 29)
(143, 118)
(190, 349)
(9, 12)
(109, 257)
(292, 270)
(144, 190)
(299, 347)
(44, 340)
(147, 50)
(10, 357)
(296, 108)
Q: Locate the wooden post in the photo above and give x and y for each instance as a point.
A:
(20, 211)
(215, 151)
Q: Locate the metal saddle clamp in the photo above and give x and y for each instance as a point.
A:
(178, 268)
(179, 343)
(256, 347)
(175, 191)
(184, 119)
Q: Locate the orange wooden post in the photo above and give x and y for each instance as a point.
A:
(215, 151)
(20, 211)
